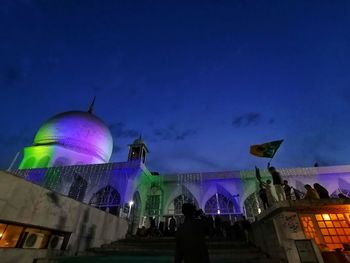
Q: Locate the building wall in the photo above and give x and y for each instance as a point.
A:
(22, 202)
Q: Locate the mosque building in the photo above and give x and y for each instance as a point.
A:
(69, 161)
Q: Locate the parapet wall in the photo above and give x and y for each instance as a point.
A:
(25, 204)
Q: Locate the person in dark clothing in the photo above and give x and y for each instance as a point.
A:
(172, 226)
(210, 224)
(217, 223)
(287, 190)
(263, 197)
(322, 192)
(297, 193)
(246, 229)
(277, 183)
(190, 239)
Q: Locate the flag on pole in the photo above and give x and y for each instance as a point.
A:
(267, 150)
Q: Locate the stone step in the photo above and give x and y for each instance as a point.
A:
(147, 251)
(144, 259)
(220, 251)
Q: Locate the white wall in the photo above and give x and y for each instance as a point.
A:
(26, 203)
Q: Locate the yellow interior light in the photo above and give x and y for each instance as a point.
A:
(326, 217)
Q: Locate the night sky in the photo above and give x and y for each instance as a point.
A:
(201, 80)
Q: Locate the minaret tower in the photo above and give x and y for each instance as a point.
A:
(138, 150)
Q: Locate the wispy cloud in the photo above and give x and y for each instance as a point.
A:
(173, 133)
(12, 74)
(248, 119)
(119, 130)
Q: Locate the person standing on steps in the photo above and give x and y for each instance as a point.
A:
(277, 183)
(263, 196)
(190, 238)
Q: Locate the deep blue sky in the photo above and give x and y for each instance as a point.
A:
(201, 80)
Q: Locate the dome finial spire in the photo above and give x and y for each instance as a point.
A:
(91, 107)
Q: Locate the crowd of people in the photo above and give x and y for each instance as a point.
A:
(216, 227)
(285, 192)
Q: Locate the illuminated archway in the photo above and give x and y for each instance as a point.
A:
(107, 199)
(175, 207)
(220, 204)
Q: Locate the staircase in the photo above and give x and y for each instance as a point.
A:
(220, 251)
(161, 250)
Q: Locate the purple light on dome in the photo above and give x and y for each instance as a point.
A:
(79, 131)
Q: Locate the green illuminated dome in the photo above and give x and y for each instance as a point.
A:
(78, 131)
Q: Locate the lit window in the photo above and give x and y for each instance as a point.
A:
(10, 236)
(2, 229)
(326, 217)
(334, 229)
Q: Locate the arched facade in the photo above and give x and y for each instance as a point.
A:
(220, 204)
(107, 199)
(154, 201)
(175, 207)
(78, 188)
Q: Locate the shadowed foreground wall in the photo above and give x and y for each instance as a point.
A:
(25, 203)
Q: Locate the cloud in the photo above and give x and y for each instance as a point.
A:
(12, 74)
(248, 119)
(172, 133)
(119, 130)
(116, 148)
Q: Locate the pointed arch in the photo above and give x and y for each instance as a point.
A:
(78, 188)
(107, 199)
(154, 201)
(175, 206)
(61, 161)
(220, 204)
(29, 163)
(43, 162)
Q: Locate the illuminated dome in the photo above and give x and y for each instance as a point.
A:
(79, 131)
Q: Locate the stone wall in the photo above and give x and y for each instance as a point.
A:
(22, 202)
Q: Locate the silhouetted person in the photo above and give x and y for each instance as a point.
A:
(237, 231)
(190, 239)
(210, 222)
(277, 182)
(322, 192)
(246, 227)
(172, 226)
(287, 190)
(311, 193)
(152, 230)
(217, 223)
(270, 198)
(297, 193)
(263, 197)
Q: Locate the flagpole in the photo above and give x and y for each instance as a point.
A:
(274, 153)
